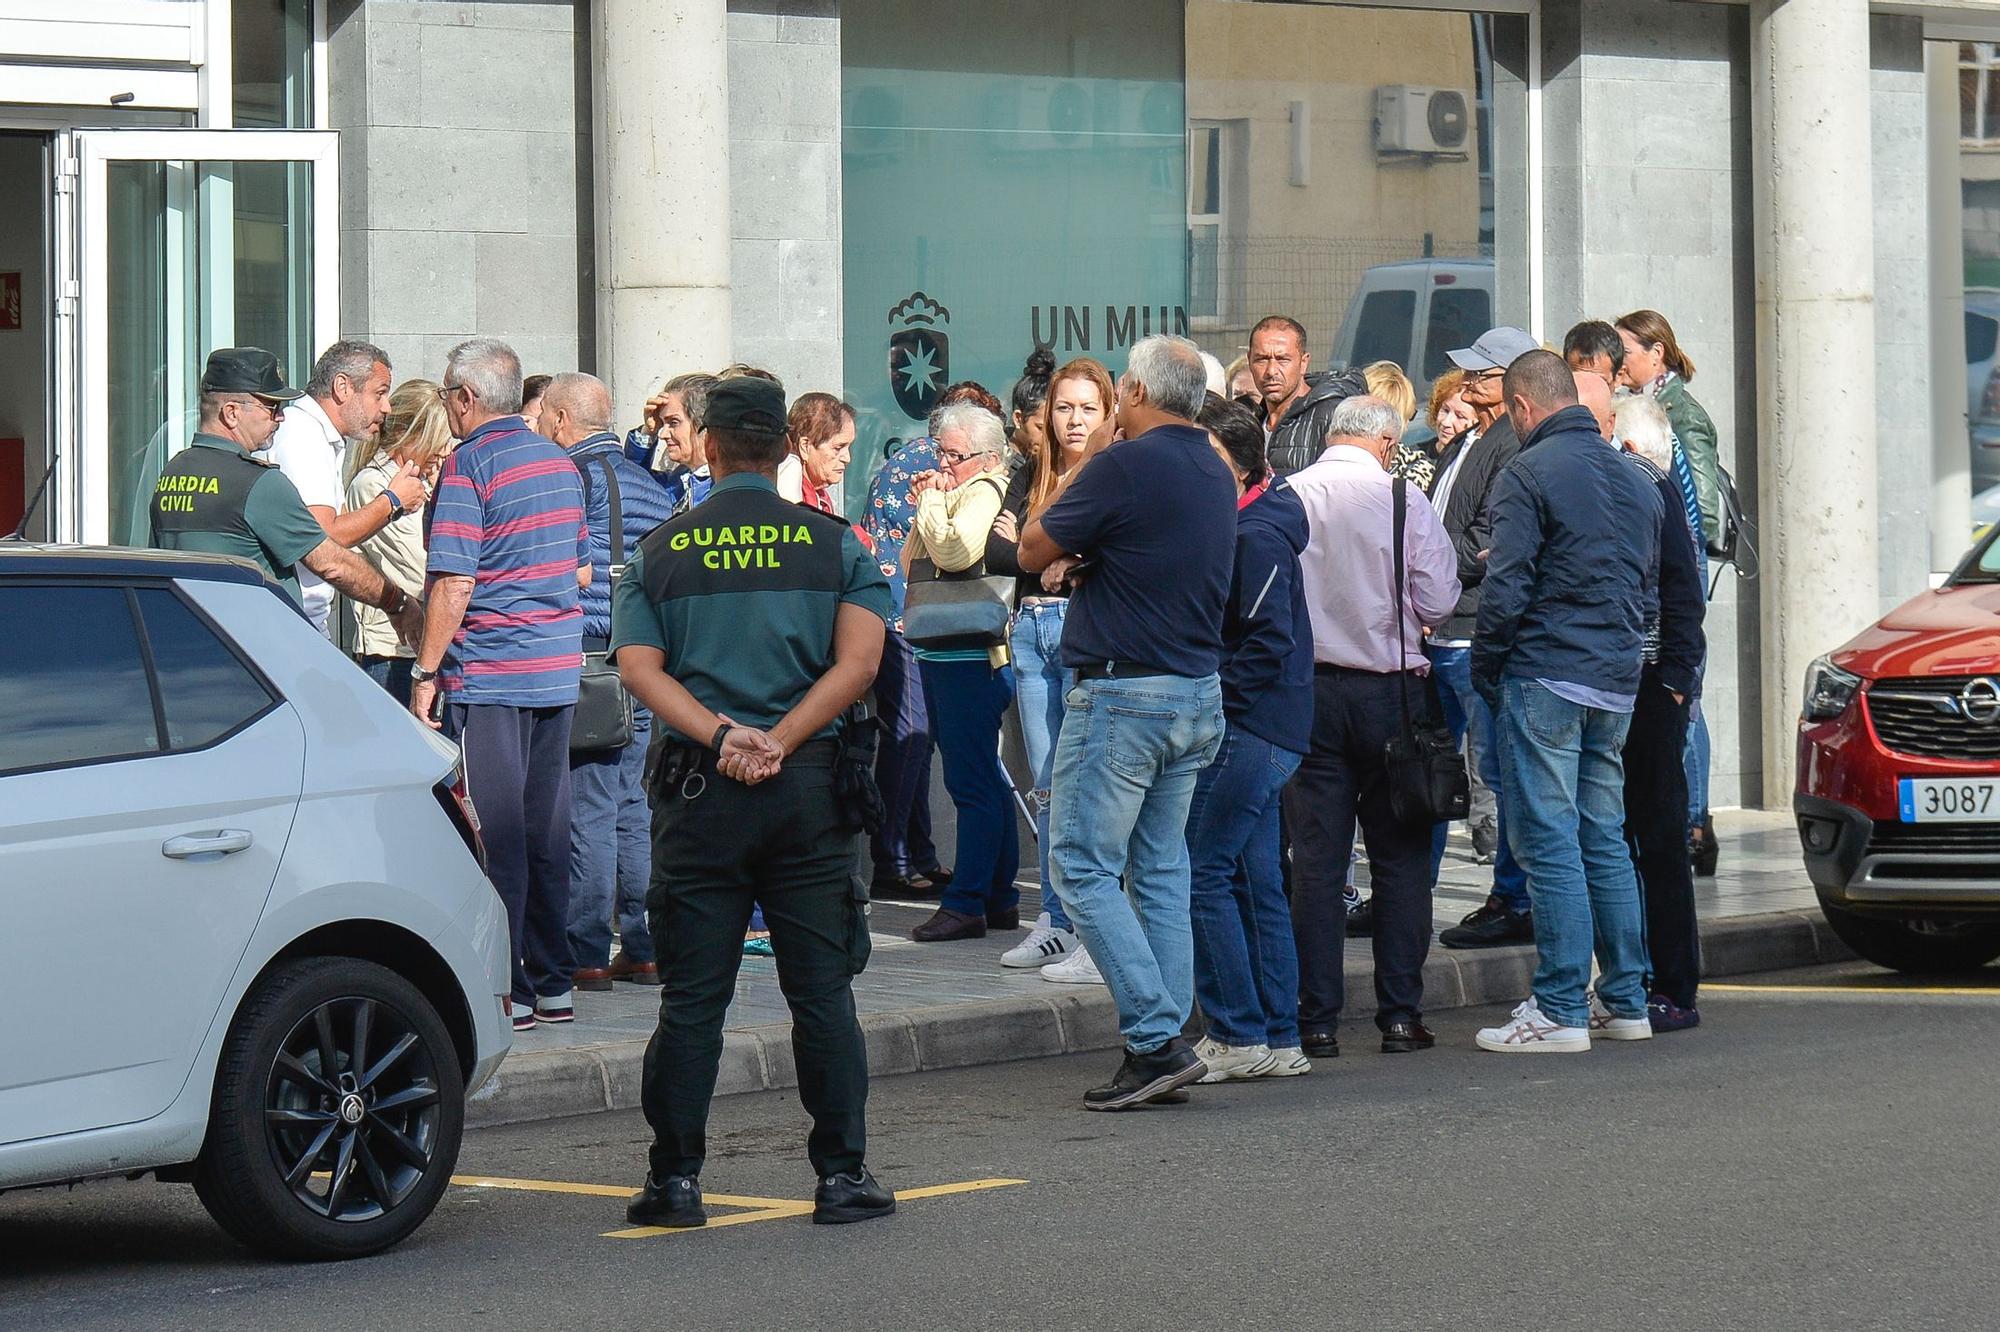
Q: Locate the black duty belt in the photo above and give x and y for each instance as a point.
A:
(1118, 670)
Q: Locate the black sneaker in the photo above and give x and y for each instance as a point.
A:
(1492, 926)
(1702, 848)
(1147, 1077)
(674, 1202)
(840, 1199)
(1361, 919)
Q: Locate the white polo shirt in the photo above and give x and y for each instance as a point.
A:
(310, 450)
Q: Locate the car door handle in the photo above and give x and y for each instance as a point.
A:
(220, 843)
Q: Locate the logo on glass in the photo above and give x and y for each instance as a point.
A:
(919, 354)
(1979, 701)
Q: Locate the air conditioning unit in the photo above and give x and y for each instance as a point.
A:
(1432, 121)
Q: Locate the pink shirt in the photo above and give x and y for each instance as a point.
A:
(1349, 564)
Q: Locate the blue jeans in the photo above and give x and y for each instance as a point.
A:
(1246, 963)
(1040, 681)
(1694, 759)
(968, 700)
(1465, 710)
(392, 673)
(1564, 771)
(1124, 776)
(610, 850)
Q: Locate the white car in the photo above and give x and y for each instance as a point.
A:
(246, 925)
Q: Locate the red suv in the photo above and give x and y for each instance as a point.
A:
(1898, 800)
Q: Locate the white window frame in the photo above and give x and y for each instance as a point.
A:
(1227, 222)
(82, 435)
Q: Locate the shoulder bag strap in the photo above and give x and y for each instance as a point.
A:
(617, 517)
(1399, 504)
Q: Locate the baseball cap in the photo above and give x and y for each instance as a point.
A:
(746, 403)
(246, 370)
(1495, 349)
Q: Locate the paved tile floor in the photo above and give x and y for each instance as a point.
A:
(1759, 872)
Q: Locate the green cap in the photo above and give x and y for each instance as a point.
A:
(747, 404)
(246, 370)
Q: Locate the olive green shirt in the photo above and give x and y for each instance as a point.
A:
(740, 593)
(217, 499)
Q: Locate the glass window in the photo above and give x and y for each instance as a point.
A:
(1372, 183)
(72, 681)
(1382, 329)
(1012, 175)
(205, 690)
(271, 50)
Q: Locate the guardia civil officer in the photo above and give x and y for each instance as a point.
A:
(220, 497)
(749, 626)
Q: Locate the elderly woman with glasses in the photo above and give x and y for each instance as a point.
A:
(969, 686)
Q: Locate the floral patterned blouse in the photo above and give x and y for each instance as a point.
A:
(890, 513)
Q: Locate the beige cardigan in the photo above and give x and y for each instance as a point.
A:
(397, 552)
(951, 527)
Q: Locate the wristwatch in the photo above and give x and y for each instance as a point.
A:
(418, 675)
(715, 741)
(396, 509)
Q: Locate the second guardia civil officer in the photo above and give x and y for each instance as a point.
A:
(749, 626)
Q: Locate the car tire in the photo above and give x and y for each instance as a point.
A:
(301, 1166)
(1916, 945)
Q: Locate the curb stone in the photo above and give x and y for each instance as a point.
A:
(548, 1084)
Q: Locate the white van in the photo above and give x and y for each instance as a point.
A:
(1414, 313)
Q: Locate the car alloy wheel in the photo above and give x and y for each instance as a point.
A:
(351, 1110)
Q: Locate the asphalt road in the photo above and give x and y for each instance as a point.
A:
(1811, 1158)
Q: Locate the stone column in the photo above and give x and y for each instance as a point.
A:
(660, 105)
(1815, 262)
(1951, 445)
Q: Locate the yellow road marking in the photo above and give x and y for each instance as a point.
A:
(755, 1209)
(1857, 991)
(604, 1190)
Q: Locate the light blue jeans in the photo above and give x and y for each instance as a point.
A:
(1040, 682)
(1125, 771)
(1564, 774)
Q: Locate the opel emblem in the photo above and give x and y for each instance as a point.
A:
(350, 1104)
(1979, 701)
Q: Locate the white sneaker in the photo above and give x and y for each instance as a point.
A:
(1076, 969)
(1232, 1062)
(1531, 1032)
(1605, 1023)
(1287, 1061)
(1044, 944)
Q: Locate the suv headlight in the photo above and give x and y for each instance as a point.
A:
(1828, 690)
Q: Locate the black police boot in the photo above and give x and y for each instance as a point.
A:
(1147, 1077)
(674, 1202)
(840, 1199)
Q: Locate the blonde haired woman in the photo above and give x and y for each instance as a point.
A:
(415, 432)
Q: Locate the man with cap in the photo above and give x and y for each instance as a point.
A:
(219, 496)
(749, 626)
(1465, 473)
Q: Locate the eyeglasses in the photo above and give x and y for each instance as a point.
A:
(954, 459)
(274, 410)
(444, 394)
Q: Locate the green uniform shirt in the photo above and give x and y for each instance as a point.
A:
(217, 499)
(740, 594)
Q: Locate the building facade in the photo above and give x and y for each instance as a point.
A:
(879, 197)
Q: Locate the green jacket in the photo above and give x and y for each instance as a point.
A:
(1697, 436)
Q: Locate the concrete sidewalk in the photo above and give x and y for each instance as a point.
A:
(930, 1006)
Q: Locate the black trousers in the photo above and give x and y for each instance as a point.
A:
(781, 843)
(1344, 777)
(1656, 800)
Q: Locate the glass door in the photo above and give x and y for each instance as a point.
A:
(184, 241)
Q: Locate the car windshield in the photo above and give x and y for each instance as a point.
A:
(1983, 564)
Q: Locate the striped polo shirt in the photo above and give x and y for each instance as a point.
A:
(509, 515)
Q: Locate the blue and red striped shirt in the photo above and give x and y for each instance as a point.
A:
(509, 515)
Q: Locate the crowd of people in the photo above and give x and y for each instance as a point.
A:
(1212, 598)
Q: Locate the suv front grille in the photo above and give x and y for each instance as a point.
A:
(1945, 839)
(1926, 716)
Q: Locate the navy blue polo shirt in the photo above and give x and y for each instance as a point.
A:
(1156, 516)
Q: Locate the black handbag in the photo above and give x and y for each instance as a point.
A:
(603, 718)
(1427, 781)
(952, 609)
